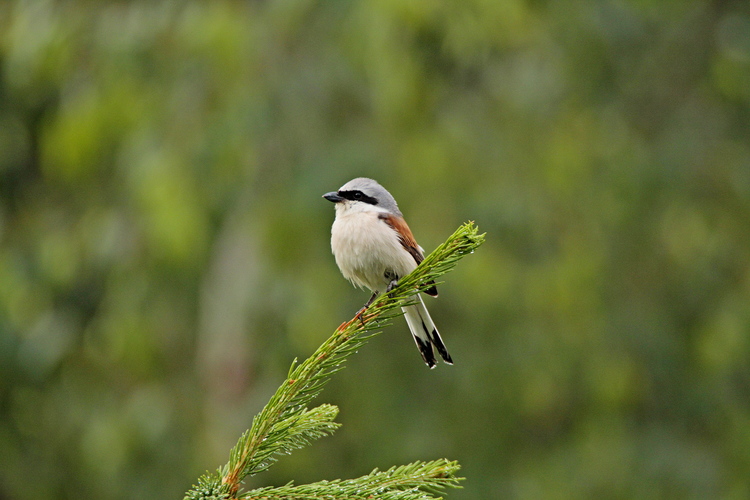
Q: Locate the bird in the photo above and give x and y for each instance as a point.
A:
(374, 248)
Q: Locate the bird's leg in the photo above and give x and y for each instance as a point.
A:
(372, 299)
(364, 308)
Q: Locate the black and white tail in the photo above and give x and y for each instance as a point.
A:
(425, 334)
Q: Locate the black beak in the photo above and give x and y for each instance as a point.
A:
(333, 196)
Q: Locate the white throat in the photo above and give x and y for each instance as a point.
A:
(349, 207)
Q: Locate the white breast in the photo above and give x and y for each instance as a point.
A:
(366, 249)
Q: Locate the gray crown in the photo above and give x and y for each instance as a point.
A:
(371, 188)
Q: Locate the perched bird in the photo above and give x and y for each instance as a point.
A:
(374, 248)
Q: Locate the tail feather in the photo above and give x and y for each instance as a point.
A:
(425, 333)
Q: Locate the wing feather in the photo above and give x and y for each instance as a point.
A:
(407, 240)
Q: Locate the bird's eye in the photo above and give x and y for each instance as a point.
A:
(357, 195)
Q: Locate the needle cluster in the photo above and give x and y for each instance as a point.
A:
(286, 423)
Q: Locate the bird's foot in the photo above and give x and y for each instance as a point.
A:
(364, 308)
(391, 286)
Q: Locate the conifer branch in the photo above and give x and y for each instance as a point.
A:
(407, 482)
(286, 424)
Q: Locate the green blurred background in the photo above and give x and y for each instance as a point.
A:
(164, 247)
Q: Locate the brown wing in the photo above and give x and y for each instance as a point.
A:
(407, 240)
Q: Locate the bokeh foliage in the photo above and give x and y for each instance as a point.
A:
(164, 247)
